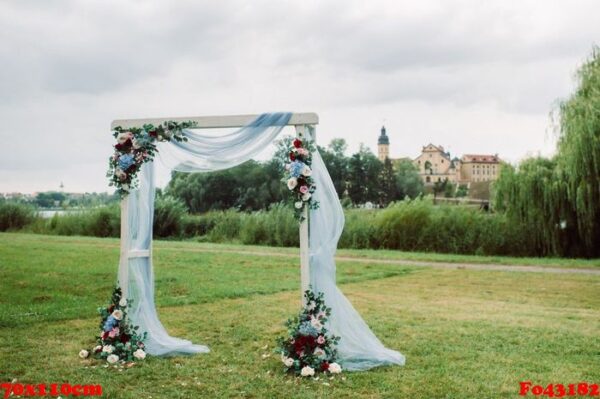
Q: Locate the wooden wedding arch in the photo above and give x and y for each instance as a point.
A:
(300, 121)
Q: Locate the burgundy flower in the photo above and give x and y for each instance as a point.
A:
(292, 156)
(105, 335)
(324, 366)
(297, 143)
(124, 338)
(152, 133)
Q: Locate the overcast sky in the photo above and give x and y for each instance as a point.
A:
(473, 76)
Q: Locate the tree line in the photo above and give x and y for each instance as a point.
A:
(358, 179)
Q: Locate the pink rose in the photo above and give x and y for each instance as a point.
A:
(303, 189)
(114, 332)
(321, 340)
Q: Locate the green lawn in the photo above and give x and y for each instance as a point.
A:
(466, 334)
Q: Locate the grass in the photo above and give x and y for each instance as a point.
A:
(466, 334)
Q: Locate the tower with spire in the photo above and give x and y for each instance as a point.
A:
(383, 145)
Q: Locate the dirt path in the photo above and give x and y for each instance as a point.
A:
(401, 262)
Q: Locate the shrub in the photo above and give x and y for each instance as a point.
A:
(15, 216)
(169, 213)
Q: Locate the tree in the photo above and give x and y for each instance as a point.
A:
(462, 191)
(356, 179)
(408, 181)
(559, 198)
(337, 164)
(388, 183)
(439, 187)
(364, 170)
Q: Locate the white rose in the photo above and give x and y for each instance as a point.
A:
(123, 137)
(288, 361)
(306, 196)
(118, 314)
(298, 204)
(335, 368)
(112, 359)
(139, 354)
(316, 323)
(97, 349)
(83, 353)
(292, 183)
(123, 302)
(119, 173)
(307, 371)
(108, 348)
(306, 171)
(136, 144)
(319, 352)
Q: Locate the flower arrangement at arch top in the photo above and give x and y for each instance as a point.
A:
(309, 348)
(136, 146)
(118, 341)
(300, 181)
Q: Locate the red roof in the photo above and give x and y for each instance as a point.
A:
(480, 158)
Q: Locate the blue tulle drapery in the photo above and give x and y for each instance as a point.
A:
(358, 349)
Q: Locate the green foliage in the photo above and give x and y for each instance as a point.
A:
(276, 227)
(364, 171)
(387, 182)
(336, 163)
(462, 191)
(14, 216)
(419, 225)
(249, 186)
(50, 199)
(408, 181)
(169, 213)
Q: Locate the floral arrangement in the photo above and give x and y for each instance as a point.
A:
(118, 341)
(309, 348)
(299, 181)
(136, 146)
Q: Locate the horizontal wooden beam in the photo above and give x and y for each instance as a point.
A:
(210, 122)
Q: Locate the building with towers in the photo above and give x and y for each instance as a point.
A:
(436, 165)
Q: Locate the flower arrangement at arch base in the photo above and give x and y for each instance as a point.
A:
(118, 341)
(309, 348)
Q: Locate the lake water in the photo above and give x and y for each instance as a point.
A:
(46, 214)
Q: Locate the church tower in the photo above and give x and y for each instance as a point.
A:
(383, 145)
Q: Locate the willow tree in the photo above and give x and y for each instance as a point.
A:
(558, 199)
(579, 153)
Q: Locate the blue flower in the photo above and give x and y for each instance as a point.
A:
(307, 329)
(125, 161)
(110, 323)
(296, 168)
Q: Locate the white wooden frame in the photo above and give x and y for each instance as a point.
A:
(300, 121)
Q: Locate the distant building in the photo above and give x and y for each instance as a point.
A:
(436, 165)
(383, 145)
(476, 168)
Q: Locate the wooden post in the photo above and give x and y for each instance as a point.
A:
(304, 257)
(124, 259)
